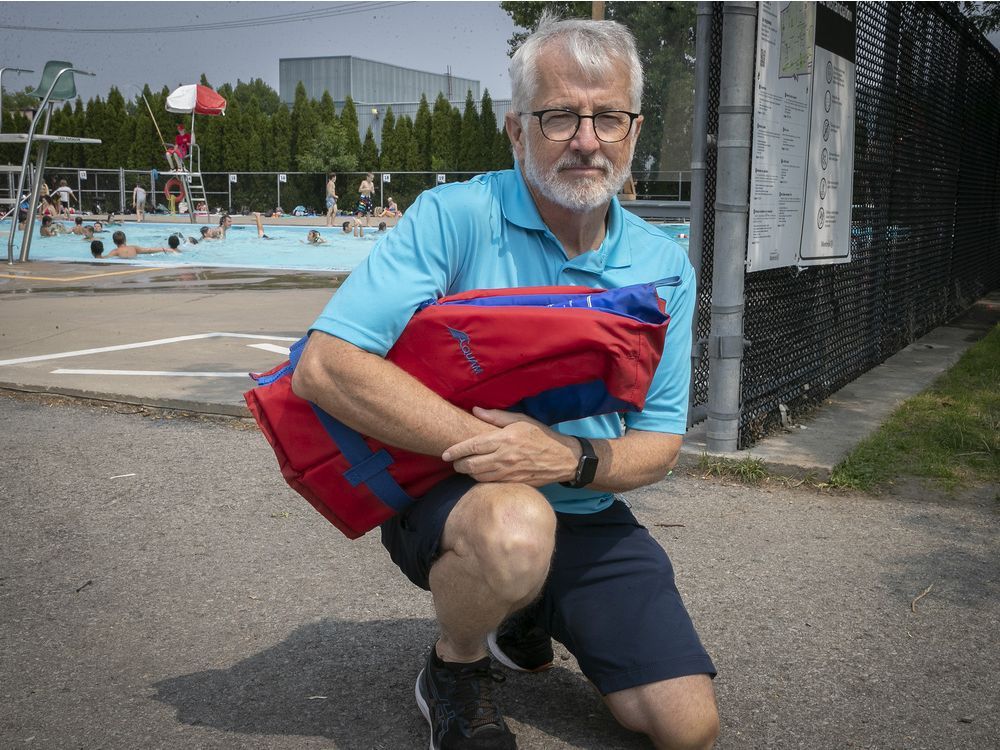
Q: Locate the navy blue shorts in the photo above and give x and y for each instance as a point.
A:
(610, 597)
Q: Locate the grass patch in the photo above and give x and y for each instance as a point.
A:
(749, 470)
(949, 434)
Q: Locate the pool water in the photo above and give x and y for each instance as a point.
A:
(241, 248)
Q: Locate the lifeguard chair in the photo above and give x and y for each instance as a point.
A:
(186, 181)
(57, 85)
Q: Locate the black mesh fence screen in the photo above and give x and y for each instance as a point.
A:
(925, 221)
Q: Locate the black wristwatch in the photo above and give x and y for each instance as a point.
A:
(586, 469)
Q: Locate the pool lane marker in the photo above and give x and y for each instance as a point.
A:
(140, 345)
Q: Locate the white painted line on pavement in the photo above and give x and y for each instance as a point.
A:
(141, 344)
(154, 373)
(272, 348)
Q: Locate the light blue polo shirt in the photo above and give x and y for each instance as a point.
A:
(486, 234)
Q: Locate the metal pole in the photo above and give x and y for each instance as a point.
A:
(279, 190)
(2, 71)
(699, 146)
(121, 191)
(229, 187)
(725, 343)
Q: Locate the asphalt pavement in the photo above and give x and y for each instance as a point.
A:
(161, 587)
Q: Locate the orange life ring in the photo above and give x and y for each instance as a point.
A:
(173, 182)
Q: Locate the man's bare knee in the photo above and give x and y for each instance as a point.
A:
(679, 714)
(510, 530)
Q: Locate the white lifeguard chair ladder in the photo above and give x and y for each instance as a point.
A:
(192, 99)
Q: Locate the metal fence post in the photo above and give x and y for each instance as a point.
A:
(121, 189)
(699, 143)
(725, 343)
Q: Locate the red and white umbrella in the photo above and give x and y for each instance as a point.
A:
(196, 99)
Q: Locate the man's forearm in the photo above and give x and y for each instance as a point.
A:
(635, 460)
(377, 398)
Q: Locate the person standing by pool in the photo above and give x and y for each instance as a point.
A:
(529, 541)
(365, 190)
(64, 193)
(139, 201)
(331, 199)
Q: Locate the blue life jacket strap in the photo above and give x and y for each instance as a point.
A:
(366, 466)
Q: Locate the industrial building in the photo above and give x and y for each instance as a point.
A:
(374, 86)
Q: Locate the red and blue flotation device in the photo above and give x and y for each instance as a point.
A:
(553, 353)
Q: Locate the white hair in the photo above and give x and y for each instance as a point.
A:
(590, 44)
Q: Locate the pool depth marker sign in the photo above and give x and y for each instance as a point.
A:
(802, 162)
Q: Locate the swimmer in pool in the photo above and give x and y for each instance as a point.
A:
(357, 227)
(51, 228)
(314, 238)
(219, 232)
(260, 227)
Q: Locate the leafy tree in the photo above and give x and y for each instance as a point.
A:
(665, 41)
(985, 15)
(328, 151)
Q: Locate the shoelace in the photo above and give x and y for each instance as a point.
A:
(473, 697)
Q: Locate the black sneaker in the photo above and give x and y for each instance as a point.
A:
(456, 700)
(520, 644)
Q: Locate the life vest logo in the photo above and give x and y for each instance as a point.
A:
(463, 344)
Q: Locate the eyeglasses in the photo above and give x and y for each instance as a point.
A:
(611, 126)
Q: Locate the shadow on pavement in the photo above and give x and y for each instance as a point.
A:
(352, 682)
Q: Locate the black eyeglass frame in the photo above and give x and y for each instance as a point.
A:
(580, 118)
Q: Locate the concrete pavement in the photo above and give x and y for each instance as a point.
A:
(184, 338)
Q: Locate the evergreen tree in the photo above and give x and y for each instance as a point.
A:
(369, 152)
(305, 120)
(470, 150)
(390, 157)
(326, 111)
(422, 134)
(349, 119)
(118, 130)
(441, 136)
(455, 137)
(280, 158)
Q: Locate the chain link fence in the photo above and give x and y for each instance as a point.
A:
(925, 221)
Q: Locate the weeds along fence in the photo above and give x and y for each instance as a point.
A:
(925, 221)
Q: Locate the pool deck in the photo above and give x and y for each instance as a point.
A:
(184, 338)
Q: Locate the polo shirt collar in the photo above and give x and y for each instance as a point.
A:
(519, 208)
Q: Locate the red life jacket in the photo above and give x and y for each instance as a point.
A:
(553, 353)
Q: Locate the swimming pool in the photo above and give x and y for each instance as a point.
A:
(241, 248)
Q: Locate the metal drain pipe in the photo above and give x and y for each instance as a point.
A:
(725, 343)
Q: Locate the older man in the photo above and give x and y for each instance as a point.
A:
(529, 541)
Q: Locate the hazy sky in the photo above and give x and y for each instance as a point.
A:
(471, 37)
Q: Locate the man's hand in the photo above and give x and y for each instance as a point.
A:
(523, 450)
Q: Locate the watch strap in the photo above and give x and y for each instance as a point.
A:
(586, 468)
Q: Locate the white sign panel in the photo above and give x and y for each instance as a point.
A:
(386, 178)
(802, 158)
(440, 179)
(282, 178)
(232, 178)
(82, 174)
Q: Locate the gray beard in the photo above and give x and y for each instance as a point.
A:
(581, 196)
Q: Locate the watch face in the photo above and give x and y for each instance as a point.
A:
(587, 470)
